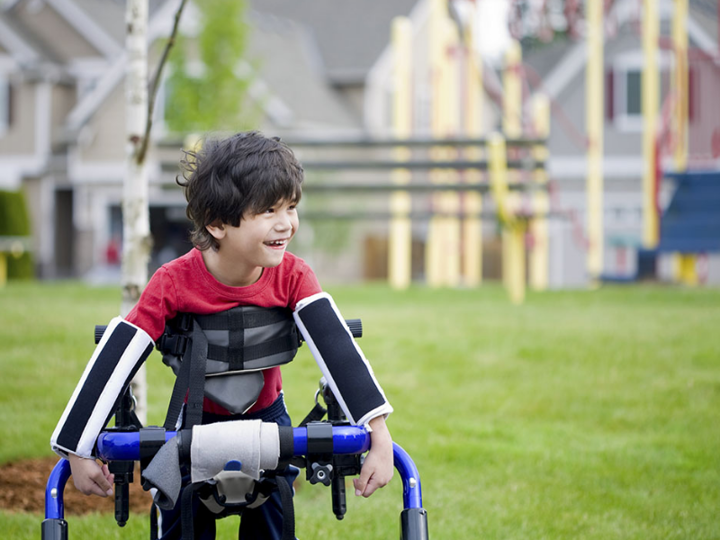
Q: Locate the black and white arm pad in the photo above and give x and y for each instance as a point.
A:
(120, 353)
(340, 359)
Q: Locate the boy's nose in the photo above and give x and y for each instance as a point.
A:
(284, 223)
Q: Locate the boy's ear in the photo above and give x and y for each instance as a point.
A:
(216, 229)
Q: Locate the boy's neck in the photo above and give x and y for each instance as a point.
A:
(230, 273)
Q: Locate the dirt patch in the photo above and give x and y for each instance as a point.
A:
(22, 489)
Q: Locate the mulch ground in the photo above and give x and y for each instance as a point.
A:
(22, 489)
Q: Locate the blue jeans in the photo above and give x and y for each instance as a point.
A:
(261, 523)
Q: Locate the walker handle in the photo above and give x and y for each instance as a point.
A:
(121, 445)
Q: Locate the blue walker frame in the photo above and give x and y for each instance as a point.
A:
(125, 446)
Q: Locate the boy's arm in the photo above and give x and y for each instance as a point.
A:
(377, 470)
(340, 359)
(121, 351)
(352, 381)
(89, 477)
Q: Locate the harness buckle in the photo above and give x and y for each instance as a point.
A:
(174, 344)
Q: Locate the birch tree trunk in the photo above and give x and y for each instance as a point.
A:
(136, 218)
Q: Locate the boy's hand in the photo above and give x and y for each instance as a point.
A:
(89, 477)
(377, 470)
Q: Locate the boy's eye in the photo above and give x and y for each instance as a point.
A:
(269, 211)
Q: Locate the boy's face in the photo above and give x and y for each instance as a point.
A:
(261, 239)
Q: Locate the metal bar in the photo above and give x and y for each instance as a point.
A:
(483, 188)
(346, 440)
(125, 446)
(412, 491)
(482, 165)
(54, 505)
(418, 216)
(411, 142)
(365, 142)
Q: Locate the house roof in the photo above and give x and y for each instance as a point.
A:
(289, 68)
(350, 35)
(75, 16)
(290, 85)
(18, 42)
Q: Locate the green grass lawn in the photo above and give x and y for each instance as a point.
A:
(588, 415)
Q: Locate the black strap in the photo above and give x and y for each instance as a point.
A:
(182, 382)
(235, 352)
(191, 382)
(287, 446)
(315, 415)
(153, 522)
(286, 498)
(253, 317)
(186, 510)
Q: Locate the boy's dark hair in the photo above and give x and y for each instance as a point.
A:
(246, 172)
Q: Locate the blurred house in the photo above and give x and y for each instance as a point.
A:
(558, 68)
(62, 66)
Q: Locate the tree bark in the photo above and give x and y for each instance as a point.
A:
(136, 216)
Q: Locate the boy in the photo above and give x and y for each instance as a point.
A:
(242, 194)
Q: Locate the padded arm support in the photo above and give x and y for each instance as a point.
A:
(120, 353)
(340, 359)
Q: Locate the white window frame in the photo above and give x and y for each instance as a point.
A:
(4, 104)
(621, 66)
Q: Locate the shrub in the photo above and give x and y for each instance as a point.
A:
(15, 221)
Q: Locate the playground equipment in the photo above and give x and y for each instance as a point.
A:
(329, 450)
(689, 225)
(513, 167)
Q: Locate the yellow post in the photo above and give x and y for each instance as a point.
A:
(594, 120)
(512, 126)
(688, 269)
(685, 263)
(450, 118)
(650, 103)
(400, 239)
(513, 230)
(512, 92)
(433, 248)
(472, 225)
(443, 248)
(516, 260)
(539, 259)
(680, 82)
(3, 269)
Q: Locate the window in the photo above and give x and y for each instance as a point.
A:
(633, 93)
(624, 89)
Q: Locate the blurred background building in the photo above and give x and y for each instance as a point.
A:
(322, 69)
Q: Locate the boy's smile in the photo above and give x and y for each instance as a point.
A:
(258, 242)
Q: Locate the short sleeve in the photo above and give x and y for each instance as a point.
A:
(157, 304)
(307, 285)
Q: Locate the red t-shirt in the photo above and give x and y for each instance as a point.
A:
(185, 286)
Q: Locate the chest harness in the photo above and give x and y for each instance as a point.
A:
(222, 357)
(226, 353)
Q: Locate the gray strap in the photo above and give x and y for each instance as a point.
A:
(196, 384)
(163, 473)
(278, 345)
(253, 317)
